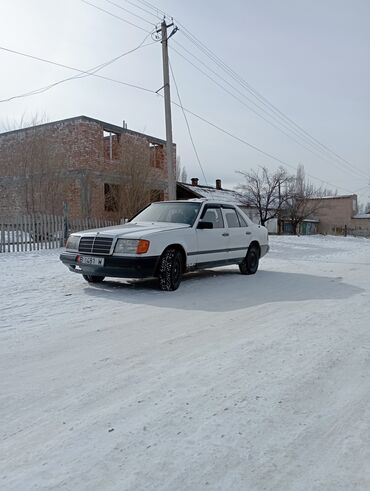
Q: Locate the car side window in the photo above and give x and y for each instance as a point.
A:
(243, 222)
(231, 218)
(213, 215)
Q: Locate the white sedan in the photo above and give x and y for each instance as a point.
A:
(165, 240)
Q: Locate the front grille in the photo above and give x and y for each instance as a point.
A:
(95, 244)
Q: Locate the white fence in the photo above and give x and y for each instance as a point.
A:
(35, 232)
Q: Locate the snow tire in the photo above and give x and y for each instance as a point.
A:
(93, 279)
(170, 270)
(251, 261)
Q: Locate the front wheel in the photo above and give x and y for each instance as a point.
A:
(170, 270)
(93, 279)
(250, 262)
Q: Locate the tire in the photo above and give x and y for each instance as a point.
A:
(250, 262)
(93, 279)
(170, 270)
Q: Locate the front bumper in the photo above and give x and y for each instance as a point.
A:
(114, 266)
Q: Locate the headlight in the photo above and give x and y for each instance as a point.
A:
(72, 243)
(131, 246)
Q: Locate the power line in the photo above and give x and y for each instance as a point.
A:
(187, 125)
(316, 148)
(261, 98)
(82, 72)
(153, 7)
(143, 9)
(201, 118)
(129, 11)
(254, 147)
(148, 4)
(257, 95)
(247, 106)
(174, 103)
(116, 16)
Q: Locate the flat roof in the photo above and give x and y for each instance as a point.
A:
(340, 196)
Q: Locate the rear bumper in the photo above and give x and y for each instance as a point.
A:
(114, 266)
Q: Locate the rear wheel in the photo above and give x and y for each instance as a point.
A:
(250, 262)
(93, 279)
(170, 270)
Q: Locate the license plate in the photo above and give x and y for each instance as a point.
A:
(96, 261)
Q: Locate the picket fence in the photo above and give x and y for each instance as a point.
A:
(35, 232)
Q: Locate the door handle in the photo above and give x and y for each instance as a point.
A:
(225, 234)
(248, 233)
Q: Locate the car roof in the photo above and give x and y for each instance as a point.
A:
(200, 200)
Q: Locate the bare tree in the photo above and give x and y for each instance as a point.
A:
(263, 190)
(181, 174)
(303, 200)
(37, 166)
(23, 121)
(363, 208)
(137, 180)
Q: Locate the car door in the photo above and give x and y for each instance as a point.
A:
(212, 243)
(239, 234)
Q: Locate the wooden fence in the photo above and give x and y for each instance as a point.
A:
(35, 232)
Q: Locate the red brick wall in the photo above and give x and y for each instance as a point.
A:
(78, 149)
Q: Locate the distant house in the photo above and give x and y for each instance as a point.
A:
(309, 226)
(335, 215)
(81, 162)
(195, 190)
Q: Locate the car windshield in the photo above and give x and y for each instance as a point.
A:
(169, 212)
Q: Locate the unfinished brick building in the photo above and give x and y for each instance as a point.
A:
(98, 169)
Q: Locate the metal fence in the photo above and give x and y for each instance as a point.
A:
(35, 232)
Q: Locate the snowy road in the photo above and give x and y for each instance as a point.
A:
(229, 383)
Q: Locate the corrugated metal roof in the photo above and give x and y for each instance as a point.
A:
(217, 194)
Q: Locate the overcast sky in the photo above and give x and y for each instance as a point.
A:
(309, 58)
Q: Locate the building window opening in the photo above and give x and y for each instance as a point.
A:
(156, 155)
(111, 145)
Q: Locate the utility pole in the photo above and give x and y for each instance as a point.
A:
(167, 108)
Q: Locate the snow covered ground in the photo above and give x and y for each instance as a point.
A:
(229, 383)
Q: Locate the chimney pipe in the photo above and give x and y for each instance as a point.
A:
(218, 184)
(194, 181)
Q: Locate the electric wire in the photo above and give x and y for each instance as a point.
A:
(116, 16)
(254, 147)
(267, 154)
(81, 72)
(129, 11)
(187, 124)
(263, 100)
(274, 112)
(243, 103)
(313, 150)
(142, 9)
(350, 166)
(201, 118)
(153, 7)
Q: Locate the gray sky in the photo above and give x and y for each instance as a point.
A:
(310, 59)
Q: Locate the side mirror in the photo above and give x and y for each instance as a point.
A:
(205, 225)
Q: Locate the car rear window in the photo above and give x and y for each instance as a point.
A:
(231, 218)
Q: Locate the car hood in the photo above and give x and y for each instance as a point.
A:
(134, 230)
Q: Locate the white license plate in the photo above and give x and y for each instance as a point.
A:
(96, 261)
